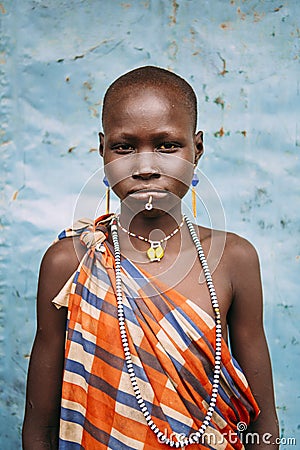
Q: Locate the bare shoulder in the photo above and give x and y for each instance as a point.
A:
(64, 254)
(241, 248)
(233, 259)
(235, 248)
(58, 264)
(243, 268)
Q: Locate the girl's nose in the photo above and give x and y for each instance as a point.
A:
(145, 167)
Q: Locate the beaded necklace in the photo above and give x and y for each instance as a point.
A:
(155, 252)
(163, 438)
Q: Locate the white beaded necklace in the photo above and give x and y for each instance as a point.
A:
(194, 437)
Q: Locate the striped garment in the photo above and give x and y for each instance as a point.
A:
(171, 340)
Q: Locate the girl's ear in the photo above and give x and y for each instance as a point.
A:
(101, 143)
(199, 148)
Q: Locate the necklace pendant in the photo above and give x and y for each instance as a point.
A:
(155, 252)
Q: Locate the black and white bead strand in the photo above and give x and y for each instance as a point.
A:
(218, 343)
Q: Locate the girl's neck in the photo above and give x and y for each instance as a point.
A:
(145, 222)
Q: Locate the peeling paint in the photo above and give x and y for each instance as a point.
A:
(219, 101)
(224, 71)
(15, 195)
(221, 132)
(175, 7)
(226, 26)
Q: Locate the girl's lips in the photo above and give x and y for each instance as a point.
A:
(144, 195)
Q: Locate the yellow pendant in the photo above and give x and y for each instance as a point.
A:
(155, 252)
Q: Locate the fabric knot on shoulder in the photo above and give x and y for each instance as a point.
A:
(93, 233)
(90, 233)
(91, 237)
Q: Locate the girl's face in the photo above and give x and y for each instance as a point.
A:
(149, 146)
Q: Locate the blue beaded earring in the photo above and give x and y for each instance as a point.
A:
(107, 194)
(195, 181)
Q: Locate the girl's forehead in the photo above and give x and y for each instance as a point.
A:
(152, 107)
(147, 118)
(149, 94)
(145, 102)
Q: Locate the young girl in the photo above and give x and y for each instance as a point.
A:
(131, 349)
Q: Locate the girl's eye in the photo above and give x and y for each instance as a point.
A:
(122, 148)
(168, 146)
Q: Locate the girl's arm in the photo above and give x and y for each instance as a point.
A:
(42, 411)
(248, 342)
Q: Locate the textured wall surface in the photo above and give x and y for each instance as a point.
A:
(58, 57)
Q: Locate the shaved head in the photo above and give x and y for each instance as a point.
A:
(156, 78)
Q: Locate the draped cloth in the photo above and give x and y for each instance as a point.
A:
(172, 343)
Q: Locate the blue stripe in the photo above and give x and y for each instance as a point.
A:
(130, 400)
(139, 372)
(178, 366)
(134, 272)
(69, 415)
(67, 445)
(236, 364)
(100, 273)
(230, 382)
(188, 319)
(76, 367)
(76, 277)
(62, 235)
(132, 312)
(224, 396)
(173, 321)
(178, 427)
(88, 346)
(115, 444)
(89, 297)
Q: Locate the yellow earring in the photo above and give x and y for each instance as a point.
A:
(195, 181)
(107, 195)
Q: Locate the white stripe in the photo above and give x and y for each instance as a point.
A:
(90, 309)
(74, 406)
(74, 378)
(77, 354)
(127, 440)
(86, 334)
(70, 431)
(167, 346)
(170, 412)
(202, 314)
(186, 326)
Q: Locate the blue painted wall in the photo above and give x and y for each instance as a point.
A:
(57, 57)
